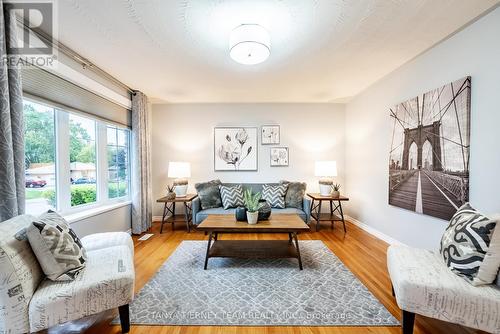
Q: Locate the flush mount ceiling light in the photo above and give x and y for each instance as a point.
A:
(249, 44)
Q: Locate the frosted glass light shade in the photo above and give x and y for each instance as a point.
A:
(325, 168)
(179, 169)
(249, 44)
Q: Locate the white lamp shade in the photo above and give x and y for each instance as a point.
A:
(179, 169)
(325, 168)
(249, 44)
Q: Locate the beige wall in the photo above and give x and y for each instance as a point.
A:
(184, 132)
(475, 51)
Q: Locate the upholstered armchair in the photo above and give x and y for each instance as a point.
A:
(29, 302)
(423, 284)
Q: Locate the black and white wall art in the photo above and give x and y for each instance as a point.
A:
(270, 135)
(279, 156)
(429, 155)
(235, 149)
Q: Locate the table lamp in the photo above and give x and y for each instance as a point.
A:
(180, 171)
(326, 170)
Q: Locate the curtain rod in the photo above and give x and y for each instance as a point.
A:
(84, 62)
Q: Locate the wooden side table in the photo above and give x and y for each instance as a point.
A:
(336, 213)
(169, 208)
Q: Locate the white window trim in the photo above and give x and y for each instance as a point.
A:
(63, 174)
(81, 215)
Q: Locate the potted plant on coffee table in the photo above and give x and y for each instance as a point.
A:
(252, 204)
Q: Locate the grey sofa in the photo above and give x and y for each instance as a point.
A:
(199, 215)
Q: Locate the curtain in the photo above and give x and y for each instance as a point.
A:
(12, 193)
(141, 165)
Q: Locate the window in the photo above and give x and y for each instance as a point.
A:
(118, 162)
(82, 160)
(40, 154)
(66, 164)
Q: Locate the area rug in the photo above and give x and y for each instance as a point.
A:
(256, 292)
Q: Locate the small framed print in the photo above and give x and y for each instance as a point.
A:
(279, 156)
(270, 135)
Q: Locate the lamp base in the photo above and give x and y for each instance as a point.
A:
(325, 189)
(181, 190)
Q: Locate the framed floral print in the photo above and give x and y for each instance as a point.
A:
(270, 135)
(235, 149)
(279, 156)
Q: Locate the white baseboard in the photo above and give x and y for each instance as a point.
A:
(363, 226)
(374, 231)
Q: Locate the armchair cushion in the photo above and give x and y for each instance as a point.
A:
(424, 285)
(106, 282)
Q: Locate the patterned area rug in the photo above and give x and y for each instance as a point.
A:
(257, 292)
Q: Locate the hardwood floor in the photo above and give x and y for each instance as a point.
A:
(362, 253)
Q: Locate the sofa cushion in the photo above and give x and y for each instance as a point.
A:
(209, 194)
(203, 214)
(274, 195)
(106, 282)
(20, 274)
(232, 196)
(424, 285)
(56, 246)
(466, 244)
(295, 192)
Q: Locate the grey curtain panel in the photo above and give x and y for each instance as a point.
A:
(11, 125)
(141, 165)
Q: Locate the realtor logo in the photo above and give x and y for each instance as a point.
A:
(31, 33)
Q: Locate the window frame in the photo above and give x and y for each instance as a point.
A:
(62, 161)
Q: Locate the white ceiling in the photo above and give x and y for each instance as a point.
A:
(322, 50)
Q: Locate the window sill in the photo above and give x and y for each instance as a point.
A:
(75, 217)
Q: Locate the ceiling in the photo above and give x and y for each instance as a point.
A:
(321, 50)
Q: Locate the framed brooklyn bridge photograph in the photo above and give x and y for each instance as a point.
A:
(429, 155)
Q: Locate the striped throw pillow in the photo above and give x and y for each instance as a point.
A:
(275, 195)
(232, 196)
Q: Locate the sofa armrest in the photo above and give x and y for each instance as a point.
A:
(306, 207)
(196, 207)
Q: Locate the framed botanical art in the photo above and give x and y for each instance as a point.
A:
(279, 156)
(270, 135)
(235, 149)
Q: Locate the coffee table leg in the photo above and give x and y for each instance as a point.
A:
(290, 238)
(298, 250)
(208, 249)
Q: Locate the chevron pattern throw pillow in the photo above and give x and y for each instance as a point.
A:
(232, 196)
(275, 195)
(56, 246)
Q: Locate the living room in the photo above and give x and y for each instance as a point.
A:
(249, 166)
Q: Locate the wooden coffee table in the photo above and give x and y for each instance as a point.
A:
(290, 224)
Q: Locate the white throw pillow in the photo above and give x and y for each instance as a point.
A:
(56, 247)
(469, 246)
